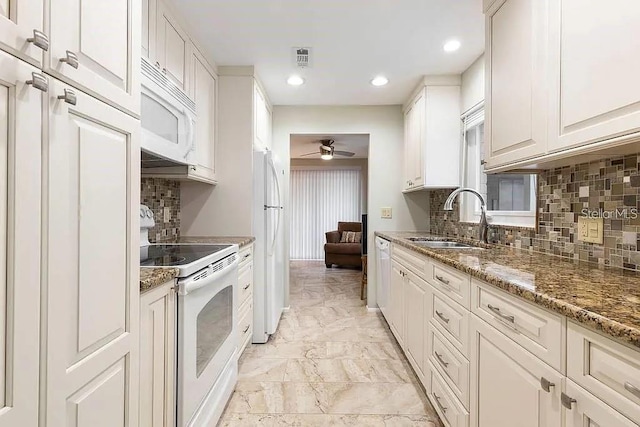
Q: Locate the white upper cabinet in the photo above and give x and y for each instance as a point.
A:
(432, 135)
(262, 120)
(22, 29)
(20, 217)
(92, 48)
(595, 89)
(516, 110)
(172, 47)
(203, 88)
(149, 21)
(91, 280)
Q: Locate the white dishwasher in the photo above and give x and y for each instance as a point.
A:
(383, 269)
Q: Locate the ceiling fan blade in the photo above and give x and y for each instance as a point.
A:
(310, 154)
(344, 153)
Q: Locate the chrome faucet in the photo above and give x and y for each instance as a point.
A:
(484, 225)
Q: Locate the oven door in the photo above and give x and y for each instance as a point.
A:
(207, 336)
(168, 128)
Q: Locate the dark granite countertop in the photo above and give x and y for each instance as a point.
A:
(153, 277)
(603, 298)
(234, 240)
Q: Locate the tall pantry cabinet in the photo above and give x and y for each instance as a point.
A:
(69, 161)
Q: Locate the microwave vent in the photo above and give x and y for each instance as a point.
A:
(154, 74)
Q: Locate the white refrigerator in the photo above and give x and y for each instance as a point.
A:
(269, 271)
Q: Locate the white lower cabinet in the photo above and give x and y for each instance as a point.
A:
(508, 383)
(584, 409)
(91, 275)
(157, 356)
(245, 297)
(415, 291)
(502, 363)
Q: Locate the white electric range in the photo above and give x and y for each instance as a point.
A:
(207, 362)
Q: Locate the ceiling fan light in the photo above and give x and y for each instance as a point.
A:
(327, 156)
(326, 153)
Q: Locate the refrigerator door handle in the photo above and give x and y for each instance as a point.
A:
(274, 172)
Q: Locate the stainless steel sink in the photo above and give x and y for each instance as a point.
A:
(440, 244)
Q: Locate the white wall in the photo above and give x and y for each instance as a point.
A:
(472, 90)
(385, 126)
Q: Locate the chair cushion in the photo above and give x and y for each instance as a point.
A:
(350, 237)
(343, 248)
(349, 226)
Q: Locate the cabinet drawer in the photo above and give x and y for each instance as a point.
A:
(450, 281)
(451, 412)
(535, 329)
(588, 410)
(410, 259)
(245, 284)
(245, 256)
(451, 320)
(451, 364)
(245, 324)
(609, 370)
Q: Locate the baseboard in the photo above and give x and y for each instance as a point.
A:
(286, 309)
(373, 310)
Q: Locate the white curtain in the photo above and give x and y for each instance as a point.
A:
(319, 199)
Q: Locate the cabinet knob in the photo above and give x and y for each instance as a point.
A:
(71, 59)
(38, 81)
(157, 64)
(567, 401)
(247, 286)
(546, 384)
(69, 97)
(40, 40)
(164, 71)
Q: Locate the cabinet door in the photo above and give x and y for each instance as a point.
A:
(506, 383)
(172, 47)
(104, 37)
(407, 148)
(18, 20)
(588, 410)
(91, 281)
(414, 316)
(396, 298)
(603, 102)
(148, 36)
(20, 177)
(262, 118)
(418, 136)
(516, 111)
(157, 357)
(202, 90)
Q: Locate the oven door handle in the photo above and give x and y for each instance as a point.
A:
(190, 286)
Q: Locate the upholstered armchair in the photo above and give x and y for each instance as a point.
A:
(344, 254)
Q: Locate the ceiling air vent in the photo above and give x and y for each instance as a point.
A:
(302, 56)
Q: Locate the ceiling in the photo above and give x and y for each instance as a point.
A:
(352, 41)
(356, 143)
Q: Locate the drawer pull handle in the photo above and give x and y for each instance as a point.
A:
(38, 81)
(437, 398)
(246, 256)
(546, 384)
(442, 279)
(71, 59)
(632, 389)
(497, 312)
(69, 97)
(567, 401)
(40, 40)
(246, 287)
(441, 360)
(246, 329)
(441, 316)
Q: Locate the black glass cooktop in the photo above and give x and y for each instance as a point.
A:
(174, 255)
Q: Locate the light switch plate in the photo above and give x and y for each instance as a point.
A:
(591, 230)
(385, 213)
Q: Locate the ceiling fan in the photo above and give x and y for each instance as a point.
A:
(327, 150)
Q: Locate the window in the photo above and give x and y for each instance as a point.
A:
(511, 198)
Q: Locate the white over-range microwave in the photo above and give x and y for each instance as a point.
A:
(168, 121)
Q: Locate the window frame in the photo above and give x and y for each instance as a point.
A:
(470, 207)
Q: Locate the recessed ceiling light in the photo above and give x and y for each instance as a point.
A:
(451, 46)
(380, 81)
(295, 80)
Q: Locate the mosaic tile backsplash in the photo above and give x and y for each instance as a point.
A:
(163, 197)
(609, 188)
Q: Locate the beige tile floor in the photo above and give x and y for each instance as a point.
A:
(331, 363)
